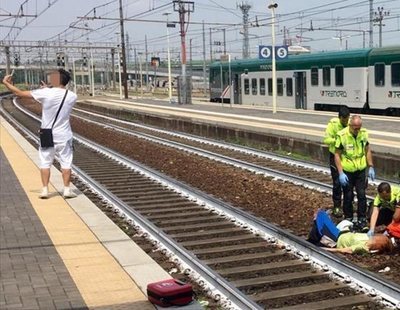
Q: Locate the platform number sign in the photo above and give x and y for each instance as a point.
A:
(265, 52)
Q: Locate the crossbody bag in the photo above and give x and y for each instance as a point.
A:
(46, 134)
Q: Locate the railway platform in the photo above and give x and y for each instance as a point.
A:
(296, 123)
(62, 254)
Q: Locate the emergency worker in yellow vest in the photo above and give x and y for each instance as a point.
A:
(386, 207)
(352, 157)
(335, 125)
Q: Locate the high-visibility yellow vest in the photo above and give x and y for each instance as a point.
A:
(353, 157)
(333, 127)
(392, 203)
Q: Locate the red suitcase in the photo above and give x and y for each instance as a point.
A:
(170, 292)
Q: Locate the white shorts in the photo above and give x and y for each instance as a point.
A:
(62, 150)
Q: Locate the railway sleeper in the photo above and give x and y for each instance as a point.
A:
(155, 199)
(336, 303)
(159, 205)
(220, 240)
(191, 207)
(141, 194)
(305, 295)
(242, 257)
(278, 278)
(192, 228)
(291, 292)
(205, 233)
(231, 248)
(261, 267)
(184, 214)
(194, 220)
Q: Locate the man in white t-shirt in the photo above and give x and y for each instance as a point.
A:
(50, 98)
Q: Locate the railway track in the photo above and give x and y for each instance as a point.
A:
(280, 167)
(247, 263)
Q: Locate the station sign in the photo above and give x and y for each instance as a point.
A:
(265, 52)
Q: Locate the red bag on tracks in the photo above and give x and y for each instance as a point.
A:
(170, 292)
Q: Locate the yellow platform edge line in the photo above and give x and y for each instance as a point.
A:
(98, 276)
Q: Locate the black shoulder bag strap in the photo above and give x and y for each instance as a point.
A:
(59, 109)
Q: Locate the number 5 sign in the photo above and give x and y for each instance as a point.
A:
(265, 52)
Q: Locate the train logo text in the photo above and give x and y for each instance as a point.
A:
(334, 93)
(394, 94)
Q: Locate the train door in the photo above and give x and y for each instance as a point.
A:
(236, 89)
(301, 90)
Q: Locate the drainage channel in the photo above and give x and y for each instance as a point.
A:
(234, 253)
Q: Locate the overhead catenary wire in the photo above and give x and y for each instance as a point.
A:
(8, 36)
(103, 30)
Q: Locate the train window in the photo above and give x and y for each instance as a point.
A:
(314, 76)
(246, 87)
(326, 76)
(289, 87)
(262, 87)
(254, 86)
(339, 75)
(395, 67)
(279, 86)
(269, 87)
(379, 74)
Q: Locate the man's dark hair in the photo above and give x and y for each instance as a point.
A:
(384, 187)
(344, 112)
(65, 77)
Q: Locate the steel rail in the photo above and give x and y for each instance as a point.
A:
(299, 247)
(240, 149)
(234, 297)
(278, 175)
(369, 282)
(191, 264)
(225, 145)
(269, 172)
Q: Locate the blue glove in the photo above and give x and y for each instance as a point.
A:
(370, 233)
(371, 173)
(343, 179)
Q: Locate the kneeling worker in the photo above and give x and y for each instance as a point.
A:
(386, 206)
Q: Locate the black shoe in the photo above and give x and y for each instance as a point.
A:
(361, 225)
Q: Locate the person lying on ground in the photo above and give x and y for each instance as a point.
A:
(345, 241)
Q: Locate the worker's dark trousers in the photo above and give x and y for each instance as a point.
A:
(336, 187)
(356, 180)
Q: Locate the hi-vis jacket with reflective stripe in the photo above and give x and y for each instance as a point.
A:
(353, 157)
(334, 126)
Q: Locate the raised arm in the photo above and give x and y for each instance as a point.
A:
(7, 81)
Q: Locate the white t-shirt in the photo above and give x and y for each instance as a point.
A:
(50, 99)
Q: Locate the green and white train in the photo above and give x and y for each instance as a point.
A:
(365, 80)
